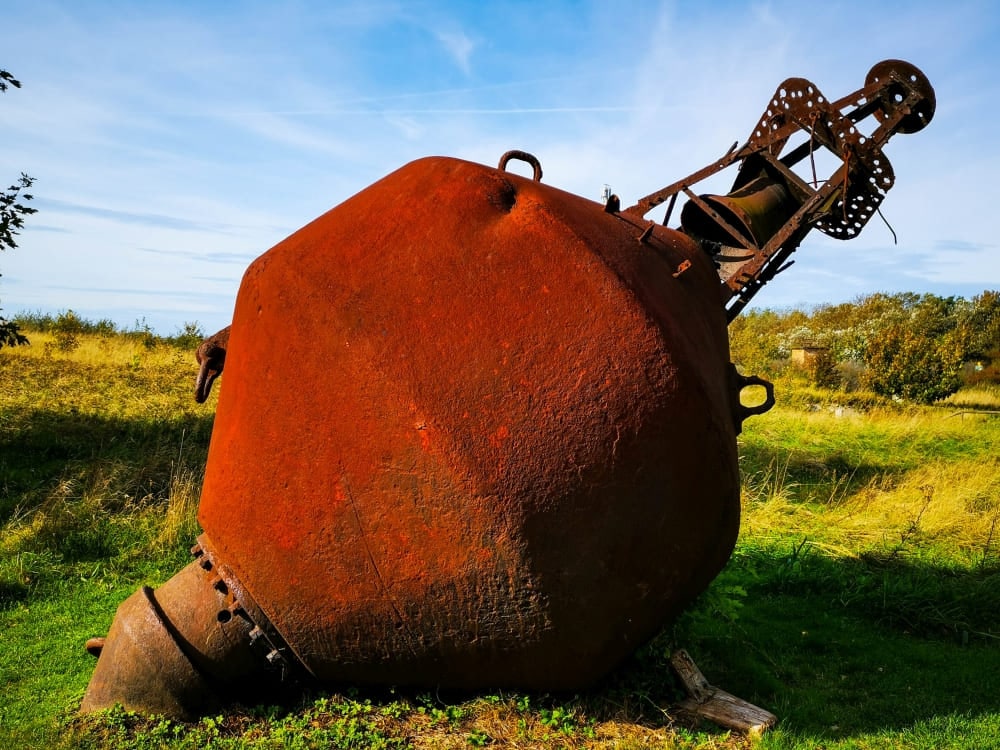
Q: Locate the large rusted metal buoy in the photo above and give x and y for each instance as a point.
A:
(475, 432)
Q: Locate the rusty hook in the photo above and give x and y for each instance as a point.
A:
(525, 157)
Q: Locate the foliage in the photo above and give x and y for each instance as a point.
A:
(906, 361)
(8, 79)
(12, 213)
(980, 320)
(190, 335)
(68, 324)
(48, 323)
(919, 348)
(754, 342)
(10, 334)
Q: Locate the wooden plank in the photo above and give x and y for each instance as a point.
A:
(694, 681)
(714, 704)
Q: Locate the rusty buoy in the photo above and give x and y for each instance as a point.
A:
(474, 432)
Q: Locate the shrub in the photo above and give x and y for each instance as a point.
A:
(189, 337)
(911, 364)
(67, 328)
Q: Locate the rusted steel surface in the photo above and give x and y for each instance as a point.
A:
(476, 432)
(486, 429)
(189, 647)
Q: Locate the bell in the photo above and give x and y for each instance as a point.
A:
(757, 211)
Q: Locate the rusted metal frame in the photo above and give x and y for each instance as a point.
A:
(865, 183)
(825, 134)
(806, 214)
(856, 115)
(783, 169)
(670, 209)
(871, 104)
(915, 94)
(860, 155)
(748, 280)
(646, 204)
(767, 261)
(755, 272)
(750, 277)
(862, 110)
(735, 300)
(795, 122)
(854, 99)
(888, 127)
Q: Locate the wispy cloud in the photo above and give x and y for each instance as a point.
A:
(241, 259)
(963, 246)
(128, 217)
(459, 46)
(36, 227)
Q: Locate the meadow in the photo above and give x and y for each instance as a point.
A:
(861, 606)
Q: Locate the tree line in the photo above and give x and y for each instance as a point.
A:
(915, 347)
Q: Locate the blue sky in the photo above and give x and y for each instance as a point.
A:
(173, 142)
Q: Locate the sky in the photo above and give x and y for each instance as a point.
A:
(174, 142)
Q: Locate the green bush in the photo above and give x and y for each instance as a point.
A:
(914, 365)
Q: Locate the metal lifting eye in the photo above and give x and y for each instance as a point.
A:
(742, 411)
(525, 157)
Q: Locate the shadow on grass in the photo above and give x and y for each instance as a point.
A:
(835, 473)
(74, 488)
(12, 592)
(836, 647)
(47, 448)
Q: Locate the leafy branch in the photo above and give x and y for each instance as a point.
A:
(12, 213)
(6, 78)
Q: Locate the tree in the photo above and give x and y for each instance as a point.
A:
(12, 213)
(981, 318)
(918, 355)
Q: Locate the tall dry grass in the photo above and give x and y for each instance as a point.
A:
(103, 451)
(880, 481)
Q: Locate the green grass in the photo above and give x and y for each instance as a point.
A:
(862, 604)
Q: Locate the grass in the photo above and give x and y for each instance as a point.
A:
(976, 397)
(861, 604)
